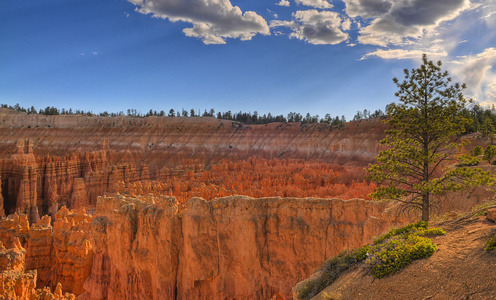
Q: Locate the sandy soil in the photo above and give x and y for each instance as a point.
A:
(460, 269)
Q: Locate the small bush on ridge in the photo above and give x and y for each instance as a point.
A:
(491, 244)
(388, 254)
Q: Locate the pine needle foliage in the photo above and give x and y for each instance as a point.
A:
(422, 140)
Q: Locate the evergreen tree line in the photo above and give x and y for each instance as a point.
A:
(242, 117)
(484, 120)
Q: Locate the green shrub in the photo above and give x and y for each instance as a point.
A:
(330, 271)
(388, 254)
(401, 246)
(478, 150)
(402, 230)
(489, 153)
(432, 231)
(397, 253)
(361, 254)
(468, 161)
(491, 244)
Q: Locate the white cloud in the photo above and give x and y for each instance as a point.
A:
(404, 54)
(402, 22)
(283, 3)
(367, 8)
(316, 27)
(324, 4)
(94, 53)
(272, 13)
(213, 20)
(478, 72)
(346, 25)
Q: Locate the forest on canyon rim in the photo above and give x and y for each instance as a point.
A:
(50, 161)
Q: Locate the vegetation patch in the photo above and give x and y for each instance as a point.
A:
(481, 210)
(330, 271)
(387, 255)
(491, 244)
(398, 248)
(468, 161)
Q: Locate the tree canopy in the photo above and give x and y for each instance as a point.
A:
(423, 139)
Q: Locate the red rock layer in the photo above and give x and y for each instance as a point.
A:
(59, 254)
(165, 141)
(53, 161)
(233, 247)
(15, 284)
(42, 184)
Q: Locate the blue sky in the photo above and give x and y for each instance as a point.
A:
(316, 56)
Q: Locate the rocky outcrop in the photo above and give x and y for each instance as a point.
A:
(233, 247)
(73, 252)
(491, 214)
(137, 243)
(34, 185)
(165, 141)
(59, 254)
(17, 284)
(50, 161)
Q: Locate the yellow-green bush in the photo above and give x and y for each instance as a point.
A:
(330, 271)
(406, 230)
(396, 253)
(491, 244)
(401, 246)
(388, 254)
(468, 161)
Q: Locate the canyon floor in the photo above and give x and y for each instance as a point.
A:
(460, 269)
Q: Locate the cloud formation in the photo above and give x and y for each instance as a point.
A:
(213, 20)
(367, 9)
(478, 73)
(323, 4)
(401, 22)
(283, 3)
(403, 54)
(316, 27)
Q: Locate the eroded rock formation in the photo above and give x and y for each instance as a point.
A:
(61, 254)
(233, 247)
(69, 160)
(16, 284)
(90, 155)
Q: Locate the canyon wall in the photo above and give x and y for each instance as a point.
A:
(58, 255)
(18, 278)
(47, 162)
(232, 247)
(165, 141)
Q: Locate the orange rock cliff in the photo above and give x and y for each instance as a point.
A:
(152, 247)
(144, 248)
(232, 247)
(52, 161)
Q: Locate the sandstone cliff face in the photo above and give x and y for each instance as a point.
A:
(15, 284)
(233, 247)
(136, 244)
(53, 161)
(73, 253)
(160, 141)
(42, 184)
(58, 254)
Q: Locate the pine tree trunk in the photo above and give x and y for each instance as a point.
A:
(425, 207)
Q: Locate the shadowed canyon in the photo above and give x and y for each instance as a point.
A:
(179, 208)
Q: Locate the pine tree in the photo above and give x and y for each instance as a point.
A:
(421, 142)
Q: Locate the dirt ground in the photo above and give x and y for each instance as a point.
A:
(460, 269)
